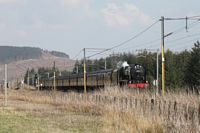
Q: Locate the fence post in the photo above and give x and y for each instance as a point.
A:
(164, 108)
(160, 108)
(105, 99)
(118, 102)
(199, 114)
(152, 110)
(169, 111)
(193, 115)
(114, 100)
(130, 102)
(96, 99)
(186, 112)
(144, 106)
(136, 103)
(155, 107)
(175, 110)
(121, 103)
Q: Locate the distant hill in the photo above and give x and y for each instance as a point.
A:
(59, 54)
(10, 53)
(19, 59)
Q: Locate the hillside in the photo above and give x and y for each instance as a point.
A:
(9, 53)
(30, 58)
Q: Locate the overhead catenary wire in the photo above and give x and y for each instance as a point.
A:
(140, 44)
(182, 28)
(171, 42)
(181, 38)
(173, 32)
(159, 39)
(126, 41)
(192, 25)
(94, 50)
(180, 46)
(185, 18)
(77, 54)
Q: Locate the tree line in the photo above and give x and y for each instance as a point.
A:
(182, 69)
(10, 53)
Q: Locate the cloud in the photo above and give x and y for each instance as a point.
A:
(123, 16)
(82, 6)
(2, 26)
(7, 1)
(10, 1)
(76, 4)
(21, 33)
(39, 25)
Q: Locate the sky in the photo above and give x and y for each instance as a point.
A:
(71, 25)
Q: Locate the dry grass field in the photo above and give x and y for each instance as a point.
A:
(113, 110)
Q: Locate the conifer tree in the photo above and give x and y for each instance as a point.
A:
(192, 75)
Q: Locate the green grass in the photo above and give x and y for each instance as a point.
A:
(79, 123)
(15, 123)
(21, 122)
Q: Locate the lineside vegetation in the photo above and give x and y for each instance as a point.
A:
(111, 110)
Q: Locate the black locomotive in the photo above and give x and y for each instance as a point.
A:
(130, 75)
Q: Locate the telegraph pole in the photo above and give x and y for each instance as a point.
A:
(54, 65)
(163, 54)
(28, 78)
(77, 69)
(163, 42)
(157, 72)
(105, 64)
(38, 82)
(54, 81)
(84, 65)
(6, 93)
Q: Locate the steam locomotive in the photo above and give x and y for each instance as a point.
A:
(124, 75)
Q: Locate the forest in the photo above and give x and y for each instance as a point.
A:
(182, 69)
(10, 53)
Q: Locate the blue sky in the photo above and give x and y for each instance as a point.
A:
(70, 25)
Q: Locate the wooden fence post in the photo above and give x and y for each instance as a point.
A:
(145, 106)
(165, 108)
(100, 99)
(175, 110)
(186, 112)
(169, 111)
(126, 103)
(152, 108)
(136, 103)
(114, 100)
(131, 103)
(142, 106)
(121, 103)
(199, 114)
(160, 108)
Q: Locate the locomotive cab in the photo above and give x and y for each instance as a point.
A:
(138, 77)
(137, 74)
(133, 75)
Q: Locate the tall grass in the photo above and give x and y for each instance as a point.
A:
(129, 122)
(114, 117)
